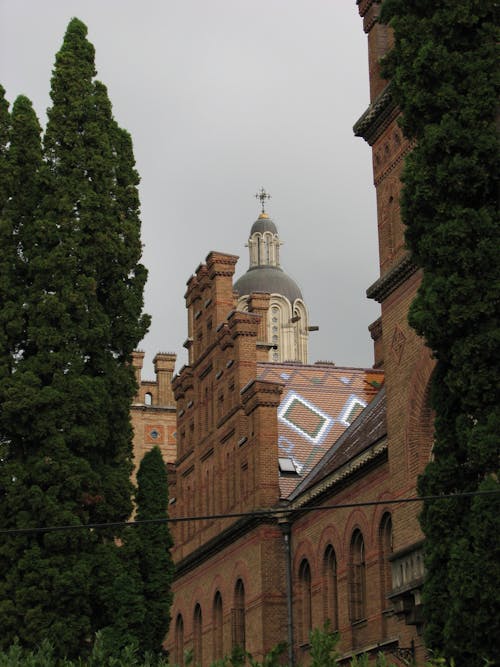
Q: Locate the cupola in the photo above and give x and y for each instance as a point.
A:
(287, 321)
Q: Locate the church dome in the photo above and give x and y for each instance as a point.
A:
(286, 328)
(270, 279)
(263, 224)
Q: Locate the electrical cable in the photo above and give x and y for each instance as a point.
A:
(276, 512)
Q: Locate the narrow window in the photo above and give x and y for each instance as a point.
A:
(148, 398)
(330, 588)
(217, 627)
(305, 601)
(385, 536)
(179, 641)
(238, 616)
(357, 578)
(197, 636)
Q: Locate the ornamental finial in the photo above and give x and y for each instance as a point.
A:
(262, 195)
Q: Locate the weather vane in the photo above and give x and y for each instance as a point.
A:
(262, 195)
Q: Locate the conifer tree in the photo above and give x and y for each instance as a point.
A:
(154, 542)
(6, 241)
(444, 76)
(65, 403)
(4, 143)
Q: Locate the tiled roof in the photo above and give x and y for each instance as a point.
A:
(318, 404)
(369, 428)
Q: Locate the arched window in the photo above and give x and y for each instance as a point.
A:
(148, 398)
(305, 601)
(217, 628)
(275, 327)
(330, 587)
(357, 574)
(267, 248)
(385, 541)
(197, 636)
(179, 641)
(238, 616)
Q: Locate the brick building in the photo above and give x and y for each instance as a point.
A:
(250, 433)
(153, 412)
(293, 470)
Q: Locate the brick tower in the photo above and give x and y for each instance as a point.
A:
(407, 362)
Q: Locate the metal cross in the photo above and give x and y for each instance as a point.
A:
(262, 195)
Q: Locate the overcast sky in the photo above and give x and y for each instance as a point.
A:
(221, 97)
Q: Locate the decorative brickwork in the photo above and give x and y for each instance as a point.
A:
(277, 463)
(153, 412)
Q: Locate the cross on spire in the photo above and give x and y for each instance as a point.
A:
(262, 195)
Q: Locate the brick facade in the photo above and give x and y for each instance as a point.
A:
(271, 554)
(153, 412)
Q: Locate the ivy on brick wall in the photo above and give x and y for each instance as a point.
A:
(445, 78)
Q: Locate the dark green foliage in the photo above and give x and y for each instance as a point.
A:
(444, 75)
(4, 144)
(20, 161)
(323, 651)
(69, 320)
(154, 542)
(100, 656)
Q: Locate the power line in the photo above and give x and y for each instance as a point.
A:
(277, 512)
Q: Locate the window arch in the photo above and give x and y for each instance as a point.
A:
(357, 573)
(385, 549)
(217, 627)
(179, 641)
(238, 616)
(330, 599)
(305, 601)
(197, 636)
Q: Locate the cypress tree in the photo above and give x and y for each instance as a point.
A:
(4, 143)
(66, 403)
(444, 75)
(6, 242)
(154, 542)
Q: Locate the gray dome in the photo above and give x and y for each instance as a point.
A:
(270, 279)
(263, 224)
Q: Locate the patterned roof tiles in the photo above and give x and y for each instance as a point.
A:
(319, 402)
(369, 429)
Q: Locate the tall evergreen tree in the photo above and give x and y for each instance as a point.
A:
(4, 143)
(444, 75)
(154, 542)
(6, 241)
(65, 409)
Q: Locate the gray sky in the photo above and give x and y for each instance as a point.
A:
(221, 97)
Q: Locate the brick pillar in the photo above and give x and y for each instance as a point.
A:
(258, 303)
(137, 362)
(260, 401)
(164, 363)
(243, 329)
(220, 271)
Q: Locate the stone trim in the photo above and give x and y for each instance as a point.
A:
(345, 471)
(381, 112)
(389, 282)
